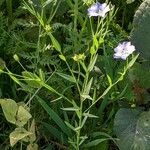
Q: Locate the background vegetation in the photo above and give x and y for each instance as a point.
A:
(60, 87)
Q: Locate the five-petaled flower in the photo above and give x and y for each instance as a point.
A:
(123, 50)
(98, 9)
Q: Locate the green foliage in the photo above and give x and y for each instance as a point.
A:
(19, 115)
(132, 128)
(10, 109)
(60, 63)
(140, 33)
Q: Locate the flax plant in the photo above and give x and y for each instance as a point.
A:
(81, 75)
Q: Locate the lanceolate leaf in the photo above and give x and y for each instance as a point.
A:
(54, 116)
(55, 43)
(67, 77)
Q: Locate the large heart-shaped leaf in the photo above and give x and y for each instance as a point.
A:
(132, 128)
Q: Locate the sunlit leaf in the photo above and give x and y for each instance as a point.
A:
(17, 135)
(22, 116)
(32, 147)
(67, 77)
(32, 79)
(10, 109)
(55, 42)
(32, 130)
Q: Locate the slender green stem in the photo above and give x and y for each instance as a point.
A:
(73, 76)
(52, 16)
(9, 9)
(75, 14)
(91, 28)
(80, 123)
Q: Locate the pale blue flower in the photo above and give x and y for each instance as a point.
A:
(98, 9)
(123, 50)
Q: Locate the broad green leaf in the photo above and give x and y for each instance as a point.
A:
(140, 73)
(10, 109)
(54, 116)
(17, 135)
(132, 127)
(67, 77)
(32, 147)
(22, 116)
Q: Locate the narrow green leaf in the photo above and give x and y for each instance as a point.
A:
(46, 3)
(55, 43)
(54, 116)
(70, 109)
(84, 97)
(88, 87)
(83, 66)
(94, 142)
(67, 77)
(109, 80)
(130, 64)
(55, 132)
(70, 126)
(32, 130)
(90, 115)
(92, 63)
